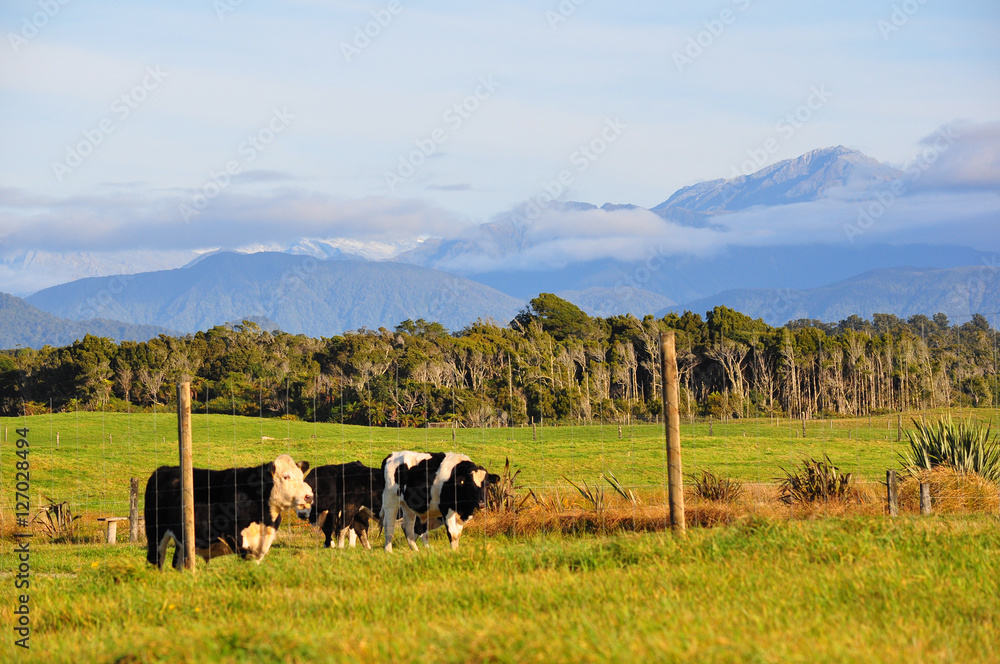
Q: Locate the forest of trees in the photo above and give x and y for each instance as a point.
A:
(553, 362)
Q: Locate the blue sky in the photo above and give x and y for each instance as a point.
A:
(183, 87)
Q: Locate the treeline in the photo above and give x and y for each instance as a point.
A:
(552, 362)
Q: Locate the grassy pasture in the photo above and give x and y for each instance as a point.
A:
(832, 585)
(833, 590)
(95, 454)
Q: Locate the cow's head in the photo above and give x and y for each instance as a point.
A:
(290, 489)
(467, 487)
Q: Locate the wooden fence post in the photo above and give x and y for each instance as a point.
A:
(133, 510)
(925, 498)
(899, 428)
(187, 470)
(890, 484)
(672, 422)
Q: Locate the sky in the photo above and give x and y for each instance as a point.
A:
(197, 124)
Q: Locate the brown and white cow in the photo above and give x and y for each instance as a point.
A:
(237, 510)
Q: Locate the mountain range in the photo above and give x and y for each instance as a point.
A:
(903, 291)
(322, 287)
(299, 294)
(24, 325)
(814, 175)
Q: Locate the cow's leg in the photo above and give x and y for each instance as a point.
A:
(361, 523)
(427, 526)
(161, 548)
(341, 536)
(409, 517)
(352, 536)
(153, 555)
(328, 532)
(422, 529)
(453, 524)
(178, 555)
(390, 506)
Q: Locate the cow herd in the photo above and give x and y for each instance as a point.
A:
(238, 510)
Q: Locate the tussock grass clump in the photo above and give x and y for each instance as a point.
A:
(814, 481)
(502, 496)
(952, 492)
(964, 446)
(710, 486)
(621, 490)
(56, 521)
(594, 497)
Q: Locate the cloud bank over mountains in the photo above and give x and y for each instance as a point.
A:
(949, 193)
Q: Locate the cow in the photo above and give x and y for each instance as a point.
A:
(431, 490)
(344, 498)
(237, 510)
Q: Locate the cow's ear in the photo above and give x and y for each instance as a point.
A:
(270, 469)
(493, 478)
(303, 466)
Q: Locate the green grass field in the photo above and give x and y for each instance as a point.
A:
(833, 590)
(763, 589)
(95, 455)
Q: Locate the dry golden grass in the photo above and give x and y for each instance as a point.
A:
(951, 492)
(564, 513)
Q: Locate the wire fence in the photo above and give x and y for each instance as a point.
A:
(605, 475)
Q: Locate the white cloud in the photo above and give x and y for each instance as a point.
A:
(966, 155)
(142, 220)
(563, 237)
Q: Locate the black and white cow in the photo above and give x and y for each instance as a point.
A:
(431, 490)
(237, 510)
(345, 497)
